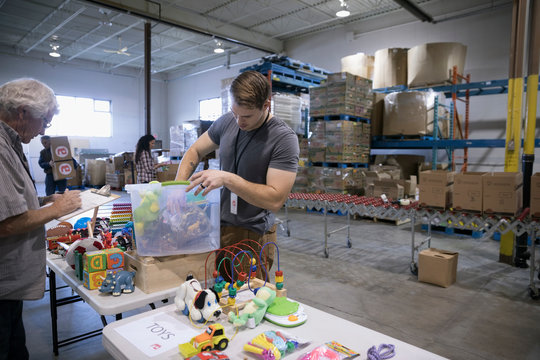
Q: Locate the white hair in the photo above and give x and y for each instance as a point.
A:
(33, 95)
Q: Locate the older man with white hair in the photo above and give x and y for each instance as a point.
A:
(26, 110)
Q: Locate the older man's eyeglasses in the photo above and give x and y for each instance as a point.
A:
(46, 123)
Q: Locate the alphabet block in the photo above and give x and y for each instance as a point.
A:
(115, 258)
(95, 261)
(93, 280)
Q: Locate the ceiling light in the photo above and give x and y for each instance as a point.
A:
(219, 48)
(105, 20)
(343, 9)
(54, 47)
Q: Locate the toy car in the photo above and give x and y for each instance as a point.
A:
(212, 338)
(209, 355)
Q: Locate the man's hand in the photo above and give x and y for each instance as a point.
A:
(208, 180)
(68, 202)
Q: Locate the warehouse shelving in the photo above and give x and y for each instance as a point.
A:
(456, 90)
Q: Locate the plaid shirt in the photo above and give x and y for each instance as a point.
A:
(145, 168)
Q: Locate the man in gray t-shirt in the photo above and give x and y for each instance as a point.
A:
(259, 158)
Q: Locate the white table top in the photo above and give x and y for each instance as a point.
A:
(320, 327)
(105, 304)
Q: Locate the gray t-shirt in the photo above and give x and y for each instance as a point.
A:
(22, 257)
(275, 146)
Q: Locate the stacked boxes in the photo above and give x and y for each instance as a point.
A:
(63, 165)
(343, 94)
(97, 264)
(503, 192)
(436, 188)
(317, 142)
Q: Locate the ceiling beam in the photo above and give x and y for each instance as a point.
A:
(415, 10)
(195, 22)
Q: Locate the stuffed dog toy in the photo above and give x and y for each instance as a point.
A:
(202, 304)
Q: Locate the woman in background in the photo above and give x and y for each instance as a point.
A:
(145, 164)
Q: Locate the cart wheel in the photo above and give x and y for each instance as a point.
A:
(326, 254)
(414, 269)
(349, 244)
(533, 293)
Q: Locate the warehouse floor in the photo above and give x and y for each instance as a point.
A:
(487, 314)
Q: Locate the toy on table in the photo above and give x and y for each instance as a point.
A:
(252, 314)
(272, 345)
(213, 338)
(330, 351)
(209, 355)
(201, 305)
(285, 312)
(121, 282)
(383, 352)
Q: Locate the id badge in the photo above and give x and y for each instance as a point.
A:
(234, 203)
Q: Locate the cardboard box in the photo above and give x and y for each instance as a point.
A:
(60, 149)
(167, 173)
(63, 170)
(431, 64)
(436, 188)
(95, 172)
(115, 180)
(503, 192)
(437, 267)
(412, 113)
(535, 195)
(358, 64)
(390, 68)
(468, 192)
(160, 273)
(391, 188)
(377, 114)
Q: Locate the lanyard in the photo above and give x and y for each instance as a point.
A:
(239, 156)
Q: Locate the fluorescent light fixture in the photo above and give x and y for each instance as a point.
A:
(343, 10)
(219, 48)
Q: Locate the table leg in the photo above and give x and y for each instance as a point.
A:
(54, 317)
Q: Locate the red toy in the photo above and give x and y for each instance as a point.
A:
(209, 355)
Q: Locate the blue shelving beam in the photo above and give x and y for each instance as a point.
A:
(475, 88)
(452, 144)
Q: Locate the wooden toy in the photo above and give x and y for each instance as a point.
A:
(94, 261)
(93, 280)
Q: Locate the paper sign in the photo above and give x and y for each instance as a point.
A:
(157, 334)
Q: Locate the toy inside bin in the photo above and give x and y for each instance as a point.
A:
(169, 221)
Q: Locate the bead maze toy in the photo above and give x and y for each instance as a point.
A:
(244, 272)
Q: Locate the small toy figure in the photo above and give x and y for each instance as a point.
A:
(212, 338)
(201, 305)
(209, 355)
(255, 309)
(121, 282)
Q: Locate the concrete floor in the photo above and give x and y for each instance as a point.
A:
(487, 314)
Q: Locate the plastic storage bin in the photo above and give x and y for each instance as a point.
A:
(169, 221)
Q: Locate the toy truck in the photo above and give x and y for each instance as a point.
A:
(212, 338)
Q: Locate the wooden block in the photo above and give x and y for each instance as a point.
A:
(115, 258)
(93, 280)
(94, 261)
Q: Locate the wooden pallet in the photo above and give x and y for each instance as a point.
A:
(389, 221)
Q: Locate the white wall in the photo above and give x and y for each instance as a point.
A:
(125, 92)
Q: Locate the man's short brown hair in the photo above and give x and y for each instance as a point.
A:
(250, 89)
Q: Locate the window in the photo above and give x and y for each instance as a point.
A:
(210, 109)
(80, 116)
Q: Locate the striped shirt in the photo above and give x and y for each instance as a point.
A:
(22, 257)
(145, 168)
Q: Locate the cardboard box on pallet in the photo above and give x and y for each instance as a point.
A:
(468, 193)
(390, 68)
(503, 192)
(535, 195)
(437, 267)
(436, 188)
(160, 273)
(391, 188)
(167, 173)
